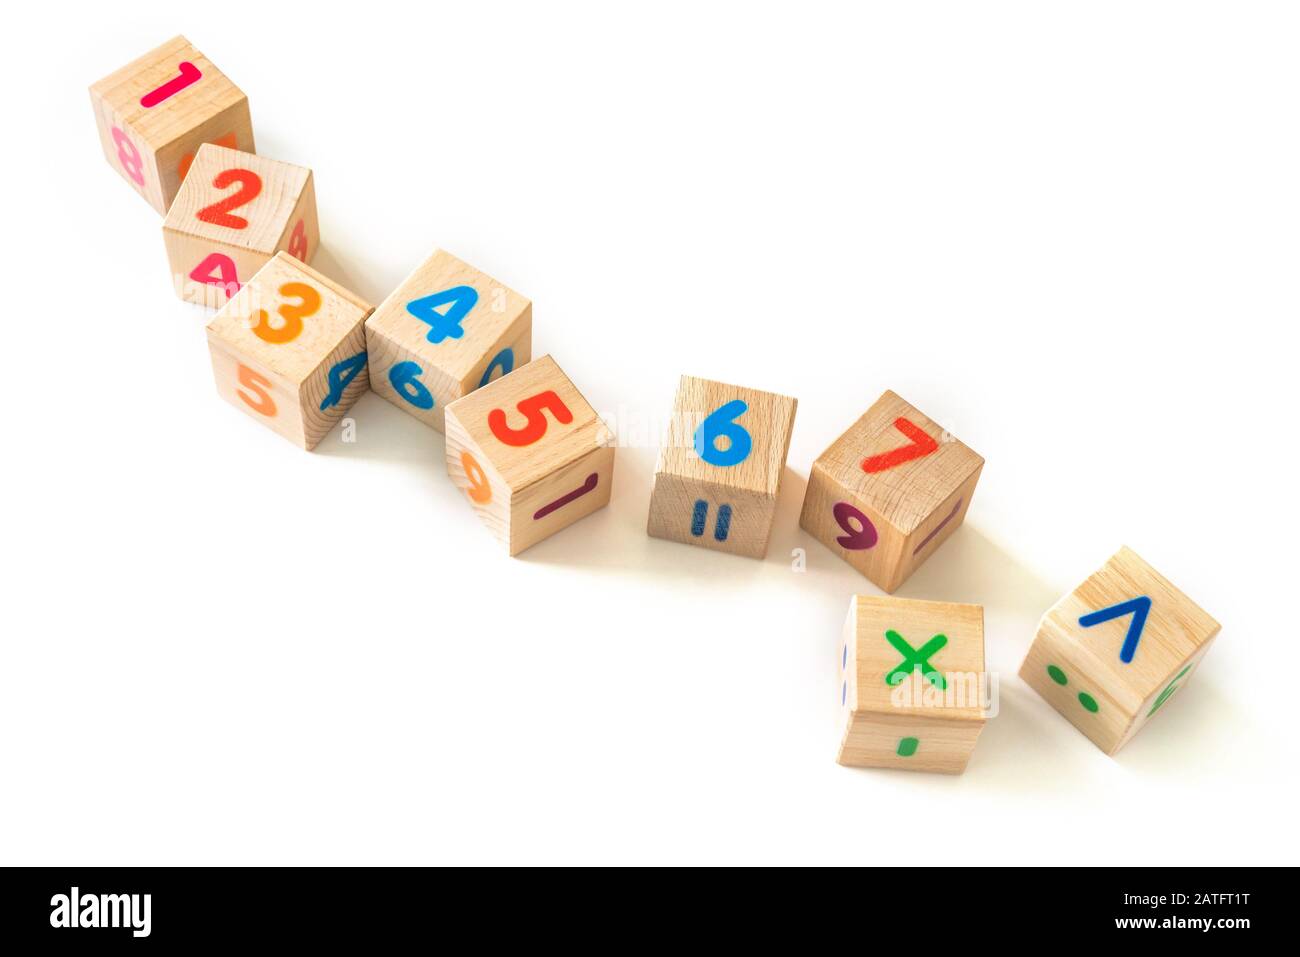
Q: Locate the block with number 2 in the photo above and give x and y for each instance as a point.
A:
(290, 350)
(233, 213)
(447, 330)
(889, 491)
(154, 113)
(531, 454)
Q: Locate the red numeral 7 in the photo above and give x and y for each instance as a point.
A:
(532, 409)
(922, 445)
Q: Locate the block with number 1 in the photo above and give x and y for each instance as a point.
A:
(155, 112)
(233, 213)
(447, 330)
(531, 454)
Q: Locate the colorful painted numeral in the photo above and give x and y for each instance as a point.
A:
(298, 241)
(459, 300)
(340, 377)
(129, 157)
(914, 658)
(939, 528)
(719, 424)
(479, 490)
(218, 214)
(228, 141)
(855, 539)
(404, 377)
(921, 446)
(218, 269)
(503, 360)
(1138, 607)
(533, 410)
(188, 76)
(1168, 692)
(1088, 702)
(308, 303)
(700, 517)
(261, 400)
(588, 486)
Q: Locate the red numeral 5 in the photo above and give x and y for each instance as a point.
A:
(218, 214)
(532, 409)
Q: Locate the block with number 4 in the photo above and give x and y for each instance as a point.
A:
(290, 350)
(531, 454)
(720, 468)
(1110, 654)
(447, 330)
(912, 684)
(154, 113)
(889, 491)
(233, 213)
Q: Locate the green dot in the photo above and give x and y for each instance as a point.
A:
(1088, 701)
(907, 747)
(1056, 674)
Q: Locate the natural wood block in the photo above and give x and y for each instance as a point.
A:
(719, 471)
(889, 491)
(155, 112)
(1111, 654)
(233, 213)
(530, 452)
(912, 684)
(290, 350)
(447, 330)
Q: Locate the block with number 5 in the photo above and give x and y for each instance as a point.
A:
(889, 491)
(233, 213)
(154, 114)
(720, 468)
(290, 350)
(530, 453)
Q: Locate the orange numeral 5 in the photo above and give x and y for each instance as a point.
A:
(258, 384)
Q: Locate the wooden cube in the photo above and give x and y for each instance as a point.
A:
(290, 350)
(889, 491)
(447, 330)
(1111, 654)
(233, 213)
(719, 471)
(154, 114)
(913, 686)
(531, 454)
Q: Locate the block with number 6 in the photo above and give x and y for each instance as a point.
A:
(530, 453)
(889, 491)
(290, 350)
(447, 330)
(155, 112)
(720, 468)
(233, 213)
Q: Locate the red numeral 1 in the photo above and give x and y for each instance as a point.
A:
(189, 75)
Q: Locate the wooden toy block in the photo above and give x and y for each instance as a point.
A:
(1111, 654)
(290, 350)
(447, 330)
(233, 213)
(912, 684)
(889, 491)
(719, 471)
(154, 114)
(530, 453)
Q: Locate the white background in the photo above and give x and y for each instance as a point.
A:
(1068, 234)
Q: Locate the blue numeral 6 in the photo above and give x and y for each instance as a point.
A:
(718, 424)
(403, 376)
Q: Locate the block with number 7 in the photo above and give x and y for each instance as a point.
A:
(233, 213)
(290, 350)
(889, 491)
(531, 454)
(447, 330)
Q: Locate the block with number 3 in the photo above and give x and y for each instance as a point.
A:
(290, 350)
(155, 112)
(719, 471)
(233, 213)
(889, 491)
(447, 330)
(531, 454)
